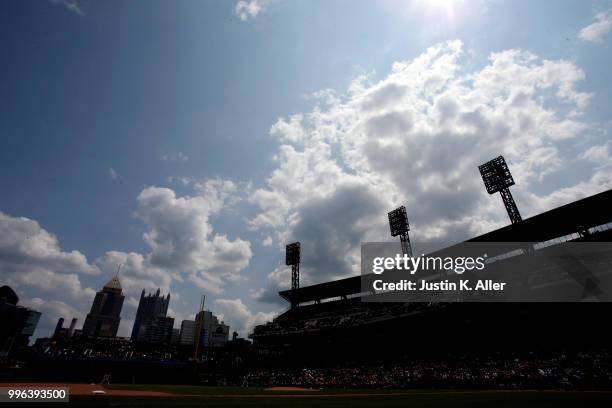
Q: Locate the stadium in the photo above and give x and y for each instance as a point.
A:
(271, 203)
(331, 347)
(329, 322)
(340, 342)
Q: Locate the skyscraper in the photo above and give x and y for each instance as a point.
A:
(58, 327)
(149, 308)
(63, 332)
(209, 332)
(157, 330)
(72, 326)
(176, 336)
(187, 332)
(17, 323)
(104, 317)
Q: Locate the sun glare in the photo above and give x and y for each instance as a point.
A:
(449, 10)
(445, 8)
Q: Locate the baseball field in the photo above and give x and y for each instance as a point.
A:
(83, 395)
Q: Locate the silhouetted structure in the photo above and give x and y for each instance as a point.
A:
(497, 178)
(176, 335)
(213, 333)
(292, 257)
(398, 223)
(149, 307)
(17, 323)
(104, 316)
(157, 330)
(187, 336)
(330, 322)
(8, 296)
(64, 332)
(58, 327)
(72, 326)
(199, 328)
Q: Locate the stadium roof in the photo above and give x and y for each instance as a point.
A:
(562, 221)
(337, 288)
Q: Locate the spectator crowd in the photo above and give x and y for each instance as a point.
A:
(576, 370)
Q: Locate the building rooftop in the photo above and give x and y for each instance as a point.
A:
(113, 283)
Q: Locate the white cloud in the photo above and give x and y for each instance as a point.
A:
(181, 237)
(182, 241)
(416, 137)
(598, 154)
(596, 31)
(25, 246)
(183, 244)
(135, 273)
(184, 181)
(176, 157)
(238, 316)
(277, 280)
(64, 286)
(289, 131)
(256, 293)
(32, 261)
(248, 9)
(71, 5)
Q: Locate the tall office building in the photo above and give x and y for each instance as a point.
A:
(63, 332)
(157, 330)
(176, 335)
(210, 331)
(104, 317)
(187, 336)
(150, 308)
(58, 327)
(72, 326)
(17, 323)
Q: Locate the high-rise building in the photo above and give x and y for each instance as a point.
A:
(187, 332)
(58, 327)
(72, 326)
(104, 316)
(210, 331)
(157, 330)
(149, 307)
(63, 332)
(176, 335)
(17, 323)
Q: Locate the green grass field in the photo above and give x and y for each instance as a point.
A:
(211, 397)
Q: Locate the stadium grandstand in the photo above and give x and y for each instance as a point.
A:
(330, 322)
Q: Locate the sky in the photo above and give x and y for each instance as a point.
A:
(189, 141)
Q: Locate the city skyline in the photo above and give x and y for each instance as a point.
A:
(151, 306)
(191, 142)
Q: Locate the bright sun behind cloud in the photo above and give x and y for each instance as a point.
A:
(452, 12)
(439, 8)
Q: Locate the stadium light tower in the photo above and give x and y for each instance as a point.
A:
(292, 257)
(398, 222)
(497, 178)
